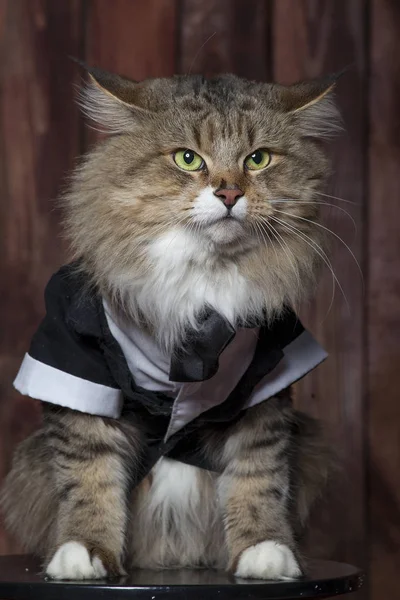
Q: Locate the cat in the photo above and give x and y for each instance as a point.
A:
(165, 360)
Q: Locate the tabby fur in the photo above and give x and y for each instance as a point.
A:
(146, 234)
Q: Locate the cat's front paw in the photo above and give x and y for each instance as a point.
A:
(74, 561)
(268, 560)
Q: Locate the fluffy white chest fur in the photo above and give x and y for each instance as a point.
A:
(190, 277)
(184, 276)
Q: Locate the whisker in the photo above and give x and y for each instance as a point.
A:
(198, 52)
(272, 244)
(323, 203)
(275, 234)
(265, 238)
(336, 198)
(327, 263)
(322, 254)
(278, 237)
(258, 231)
(331, 232)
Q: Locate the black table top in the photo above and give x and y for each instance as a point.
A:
(21, 579)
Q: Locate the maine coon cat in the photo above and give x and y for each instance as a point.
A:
(169, 346)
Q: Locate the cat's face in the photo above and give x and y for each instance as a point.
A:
(218, 169)
(216, 156)
(203, 170)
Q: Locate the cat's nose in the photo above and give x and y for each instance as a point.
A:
(229, 196)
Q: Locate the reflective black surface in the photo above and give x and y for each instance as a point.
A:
(20, 579)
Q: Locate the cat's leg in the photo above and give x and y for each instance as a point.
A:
(254, 493)
(92, 464)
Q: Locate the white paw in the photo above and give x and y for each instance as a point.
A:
(268, 560)
(72, 561)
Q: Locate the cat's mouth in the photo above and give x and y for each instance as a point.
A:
(223, 222)
(225, 230)
(228, 217)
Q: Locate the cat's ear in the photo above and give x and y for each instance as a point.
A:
(312, 104)
(112, 101)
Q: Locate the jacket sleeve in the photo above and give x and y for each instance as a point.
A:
(65, 363)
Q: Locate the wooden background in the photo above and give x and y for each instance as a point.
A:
(356, 392)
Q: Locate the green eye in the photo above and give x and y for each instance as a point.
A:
(188, 160)
(258, 160)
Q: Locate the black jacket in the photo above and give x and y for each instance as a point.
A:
(74, 357)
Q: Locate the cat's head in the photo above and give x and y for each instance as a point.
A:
(217, 174)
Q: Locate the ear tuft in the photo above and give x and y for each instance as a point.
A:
(312, 104)
(121, 88)
(109, 100)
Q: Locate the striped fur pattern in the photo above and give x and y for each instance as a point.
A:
(72, 479)
(155, 241)
(153, 237)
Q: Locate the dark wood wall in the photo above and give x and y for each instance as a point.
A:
(355, 393)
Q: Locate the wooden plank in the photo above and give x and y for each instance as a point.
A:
(225, 36)
(136, 38)
(383, 300)
(39, 139)
(311, 39)
(133, 37)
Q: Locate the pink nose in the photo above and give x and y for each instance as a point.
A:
(229, 196)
